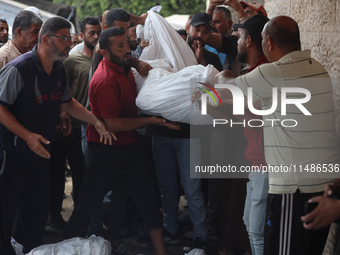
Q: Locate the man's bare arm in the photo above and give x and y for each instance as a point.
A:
(128, 124)
(142, 67)
(215, 41)
(76, 110)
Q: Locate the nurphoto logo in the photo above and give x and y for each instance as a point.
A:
(239, 105)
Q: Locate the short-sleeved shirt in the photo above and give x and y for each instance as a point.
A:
(254, 152)
(8, 52)
(34, 98)
(77, 68)
(112, 94)
(314, 139)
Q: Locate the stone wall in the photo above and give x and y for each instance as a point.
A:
(319, 23)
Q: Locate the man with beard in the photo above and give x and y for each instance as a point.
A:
(33, 91)
(132, 40)
(77, 68)
(112, 95)
(250, 51)
(3, 32)
(25, 32)
(199, 32)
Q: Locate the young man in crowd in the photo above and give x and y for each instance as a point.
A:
(3, 32)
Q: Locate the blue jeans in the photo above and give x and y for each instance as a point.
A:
(83, 137)
(255, 211)
(172, 157)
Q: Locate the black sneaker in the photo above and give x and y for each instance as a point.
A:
(170, 239)
(199, 243)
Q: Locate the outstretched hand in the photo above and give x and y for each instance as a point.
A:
(165, 123)
(34, 143)
(105, 136)
(65, 123)
(143, 17)
(235, 4)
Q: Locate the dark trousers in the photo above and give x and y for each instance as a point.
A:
(284, 232)
(24, 184)
(57, 177)
(105, 166)
(68, 147)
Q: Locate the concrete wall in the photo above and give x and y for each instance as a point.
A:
(319, 23)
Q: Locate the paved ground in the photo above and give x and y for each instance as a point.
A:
(54, 236)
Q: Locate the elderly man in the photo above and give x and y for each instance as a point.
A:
(25, 33)
(33, 91)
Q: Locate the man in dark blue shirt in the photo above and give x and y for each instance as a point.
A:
(33, 90)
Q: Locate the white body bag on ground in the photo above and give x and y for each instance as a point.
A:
(166, 91)
(74, 246)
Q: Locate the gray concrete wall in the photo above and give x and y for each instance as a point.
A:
(319, 23)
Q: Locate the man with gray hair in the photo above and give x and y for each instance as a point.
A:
(33, 91)
(221, 20)
(25, 32)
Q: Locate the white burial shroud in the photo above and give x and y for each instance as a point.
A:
(167, 90)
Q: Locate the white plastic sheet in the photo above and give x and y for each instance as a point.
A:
(74, 246)
(166, 91)
(169, 94)
(196, 252)
(165, 43)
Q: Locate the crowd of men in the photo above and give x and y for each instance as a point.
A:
(79, 105)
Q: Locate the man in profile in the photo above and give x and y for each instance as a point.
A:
(25, 33)
(311, 142)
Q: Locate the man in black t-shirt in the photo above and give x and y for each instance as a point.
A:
(199, 32)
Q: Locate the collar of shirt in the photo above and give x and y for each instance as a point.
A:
(262, 60)
(296, 55)
(125, 70)
(57, 64)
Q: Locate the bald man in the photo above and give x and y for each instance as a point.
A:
(310, 142)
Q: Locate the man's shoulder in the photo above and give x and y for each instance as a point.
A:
(24, 61)
(77, 59)
(8, 52)
(103, 73)
(7, 47)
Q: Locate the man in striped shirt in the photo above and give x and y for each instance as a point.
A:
(299, 139)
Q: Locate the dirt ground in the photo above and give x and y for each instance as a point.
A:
(53, 236)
